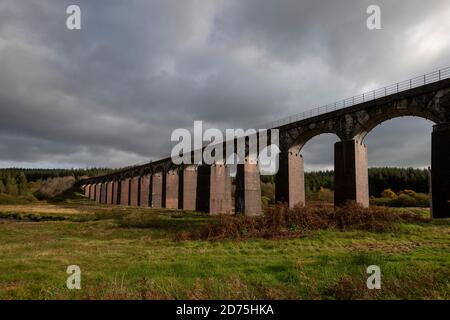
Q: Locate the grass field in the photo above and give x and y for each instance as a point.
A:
(133, 253)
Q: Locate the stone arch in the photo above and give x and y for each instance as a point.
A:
(372, 123)
(294, 139)
(432, 107)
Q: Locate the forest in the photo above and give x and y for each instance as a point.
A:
(14, 181)
(380, 179)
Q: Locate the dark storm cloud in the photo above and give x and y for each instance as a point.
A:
(111, 93)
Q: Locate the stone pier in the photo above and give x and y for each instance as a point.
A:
(98, 189)
(189, 187)
(144, 183)
(116, 192)
(134, 191)
(351, 180)
(92, 192)
(440, 171)
(214, 189)
(103, 193)
(248, 190)
(290, 180)
(172, 189)
(109, 192)
(125, 192)
(157, 190)
(87, 190)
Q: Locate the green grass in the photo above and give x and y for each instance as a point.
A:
(132, 253)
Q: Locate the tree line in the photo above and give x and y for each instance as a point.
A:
(14, 180)
(396, 179)
(43, 174)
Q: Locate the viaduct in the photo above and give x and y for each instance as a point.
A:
(208, 188)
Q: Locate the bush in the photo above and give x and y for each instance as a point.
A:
(267, 191)
(265, 200)
(54, 187)
(423, 200)
(389, 194)
(281, 221)
(325, 194)
(404, 200)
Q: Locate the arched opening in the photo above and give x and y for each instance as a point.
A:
(399, 155)
(290, 180)
(318, 157)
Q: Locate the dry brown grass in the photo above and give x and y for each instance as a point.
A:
(40, 208)
(282, 222)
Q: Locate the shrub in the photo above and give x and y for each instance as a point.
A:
(325, 194)
(281, 221)
(408, 192)
(404, 200)
(265, 200)
(54, 187)
(423, 200)
(267, 191)
(389, 194)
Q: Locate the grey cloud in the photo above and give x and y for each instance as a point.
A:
(110, 94)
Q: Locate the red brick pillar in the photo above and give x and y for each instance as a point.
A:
(157, 190)
(87, 190)
(220, 201)
(92, 192)
(134, 191)
(248, 189)
(116, 192)
(98, 189)
(172, 189)
(290, 180)
(144, 182)
(351, 181)
(214, 189)
(124, 192)
(103, 193)
(189, 187)
(109, 192)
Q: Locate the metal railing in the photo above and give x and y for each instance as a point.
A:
(364, 97)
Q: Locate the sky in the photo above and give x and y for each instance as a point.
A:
(110, 94)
